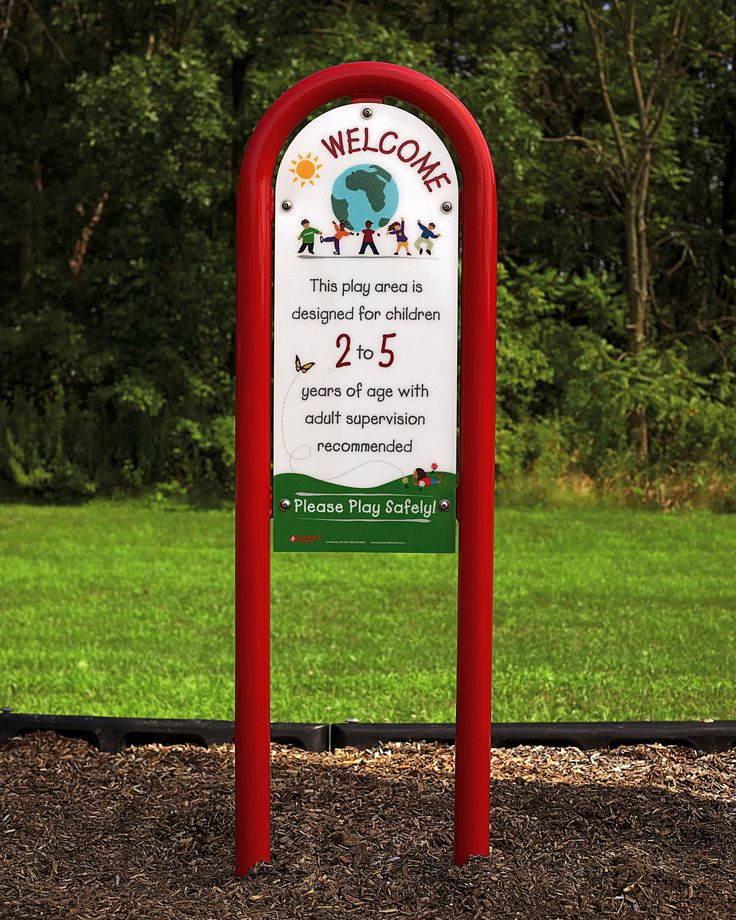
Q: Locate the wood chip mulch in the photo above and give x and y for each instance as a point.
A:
(644, 832)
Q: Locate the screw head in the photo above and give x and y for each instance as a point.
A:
(287, 205)
(446, 206)
(367, 112)
(444, 505)
(284, 504)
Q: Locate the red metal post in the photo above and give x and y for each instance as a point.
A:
(475, 514)
(253, 420)
(252, 517)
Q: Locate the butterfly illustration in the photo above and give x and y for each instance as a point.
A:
(302, 367)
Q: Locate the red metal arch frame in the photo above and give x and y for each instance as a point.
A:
(364, 81)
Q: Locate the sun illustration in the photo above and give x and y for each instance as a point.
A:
(305, 169)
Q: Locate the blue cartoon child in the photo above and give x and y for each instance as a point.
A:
(426, 240)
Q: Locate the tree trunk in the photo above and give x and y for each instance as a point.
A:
(728, 220)
(26, 243)
(637, 272)
(634, 156)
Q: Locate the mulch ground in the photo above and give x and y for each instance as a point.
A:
(641, 832)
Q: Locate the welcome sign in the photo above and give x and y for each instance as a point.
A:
(345, 431)
(365, 336)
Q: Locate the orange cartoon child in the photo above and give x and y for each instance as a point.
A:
(341, 232)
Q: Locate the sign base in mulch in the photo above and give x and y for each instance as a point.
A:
(640, 831)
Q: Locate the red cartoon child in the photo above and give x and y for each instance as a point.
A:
(368, 235)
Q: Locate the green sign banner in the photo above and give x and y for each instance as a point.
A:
(398, 516)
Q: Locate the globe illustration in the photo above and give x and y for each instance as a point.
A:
(365, 192)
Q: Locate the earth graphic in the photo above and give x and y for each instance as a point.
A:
(365, 192)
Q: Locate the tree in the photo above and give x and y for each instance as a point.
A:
(637, 112)
(613, 132)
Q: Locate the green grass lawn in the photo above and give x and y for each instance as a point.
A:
(118, 608)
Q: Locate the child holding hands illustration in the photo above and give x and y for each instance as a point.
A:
(341, 232)
(402, 242)
(368, 234)
(307, 237)
(426, 240)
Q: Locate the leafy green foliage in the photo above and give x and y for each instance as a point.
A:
(124, 125)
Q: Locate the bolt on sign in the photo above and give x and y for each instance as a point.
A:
(365, 336)
(346, 434)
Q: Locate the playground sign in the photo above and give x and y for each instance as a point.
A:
(364, 315)
(365, 336)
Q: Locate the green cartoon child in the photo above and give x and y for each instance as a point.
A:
(307, 237)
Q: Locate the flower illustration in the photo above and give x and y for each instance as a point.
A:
(434, 466)
(405, 482)
(421, 483)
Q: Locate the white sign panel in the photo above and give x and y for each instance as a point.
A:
(365, 336)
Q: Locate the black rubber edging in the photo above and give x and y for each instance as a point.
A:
(115, 734)
(703, 736)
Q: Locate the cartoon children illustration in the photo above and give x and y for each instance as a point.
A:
(397, 228)
(422, 479)
(340, 233)
(307, 237)
(427, 238)
(368, 235)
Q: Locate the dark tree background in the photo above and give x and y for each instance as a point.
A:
(613, 131)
